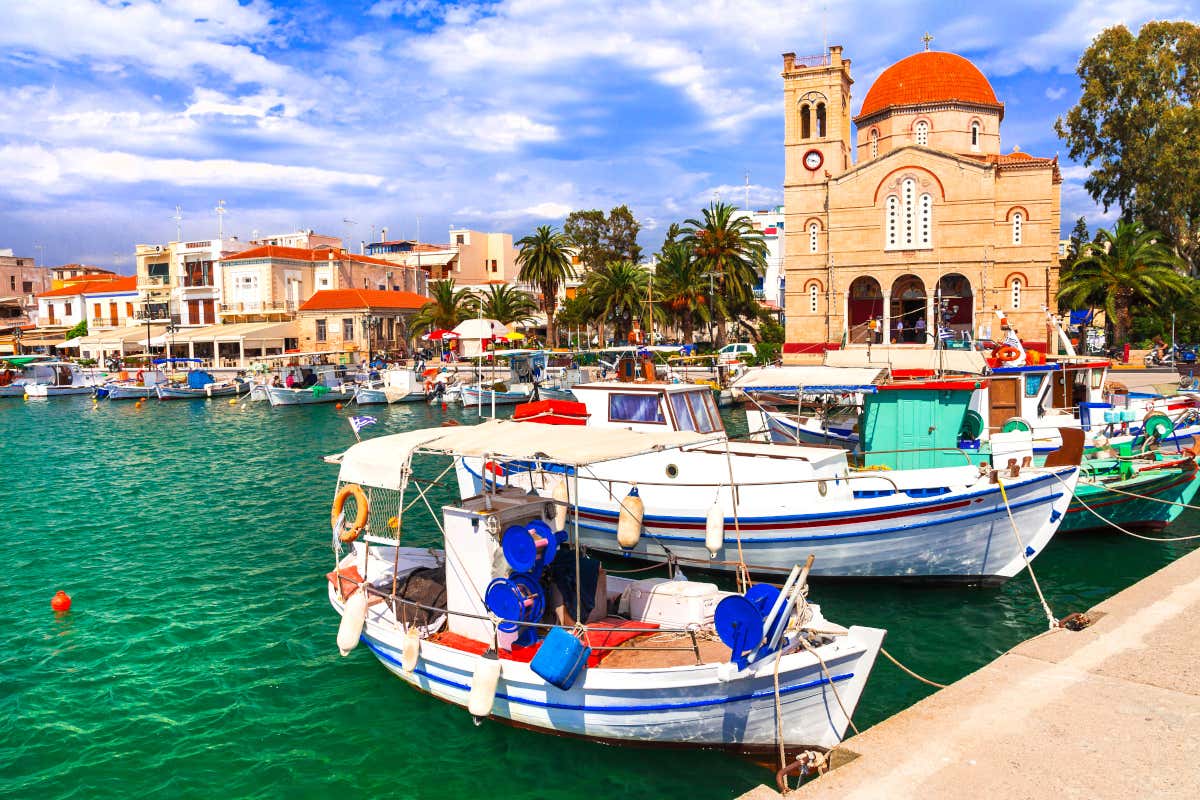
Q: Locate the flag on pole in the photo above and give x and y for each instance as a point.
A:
(1012, 340)
(358, 423)
(945, 334)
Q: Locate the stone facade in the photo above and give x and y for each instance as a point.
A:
(924, 204)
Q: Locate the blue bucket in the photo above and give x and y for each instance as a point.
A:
(560, 659)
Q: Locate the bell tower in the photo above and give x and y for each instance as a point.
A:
(816, 93)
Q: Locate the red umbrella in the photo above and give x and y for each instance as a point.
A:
(439, 334)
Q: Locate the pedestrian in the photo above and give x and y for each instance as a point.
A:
(921, 330)
(899, 331)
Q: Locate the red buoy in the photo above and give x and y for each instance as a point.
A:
(61, 601)
(338, 406)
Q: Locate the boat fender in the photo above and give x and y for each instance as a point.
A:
(360, 515)
(560, 496)
(354, 615)
(483, 684)
(714, 530)
(412, 649)
(629, 521)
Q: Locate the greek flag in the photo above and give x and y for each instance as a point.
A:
(1012, 340)
(358, 423)
(945, 334)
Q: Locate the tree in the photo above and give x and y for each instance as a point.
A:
(506, 304)
(726, 245)
(79, 330)
(1136, 126)
(618, 292)
(446, 308)
(1079, 237)
(545, 262)
(681, 290)
(1130, 264)
(604, 239)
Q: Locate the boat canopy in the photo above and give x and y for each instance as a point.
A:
(21, 361)
(812, 380)
(971, 362)
(380, 462)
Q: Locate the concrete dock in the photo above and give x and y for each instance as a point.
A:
(1112, 711)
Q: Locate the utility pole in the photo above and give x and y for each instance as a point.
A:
(221, 219)
(179, 223)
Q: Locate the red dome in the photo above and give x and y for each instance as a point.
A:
(929, 77)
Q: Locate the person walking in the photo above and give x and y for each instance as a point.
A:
(899, 331)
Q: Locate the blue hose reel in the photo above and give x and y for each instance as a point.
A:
(519, 598)
(741, 622)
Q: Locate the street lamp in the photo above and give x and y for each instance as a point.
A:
(171, 331)
(17, 340)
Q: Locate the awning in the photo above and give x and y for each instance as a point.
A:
(117, 338)
(812, 380)
(970, 362)
(246, 332)
(380, 461)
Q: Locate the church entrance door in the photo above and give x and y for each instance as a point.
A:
(865, 304)
(959, 303)
(908, 310)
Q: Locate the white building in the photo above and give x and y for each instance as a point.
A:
(180, 282)
(769, 223)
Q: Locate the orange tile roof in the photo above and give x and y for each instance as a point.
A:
(929, 77)
(304, 254)
(345, 299)
(123, 284)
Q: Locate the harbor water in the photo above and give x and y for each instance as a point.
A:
(198, 659)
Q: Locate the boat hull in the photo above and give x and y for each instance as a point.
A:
(187, 393)
(283, 396)
(472, 396)
(116, 391)
(1148, 501)
(366, 396)
(43, 390)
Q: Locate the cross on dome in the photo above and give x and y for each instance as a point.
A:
(927, 38)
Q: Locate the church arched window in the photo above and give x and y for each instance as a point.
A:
(1016, 293)
(812, 297)
(874, 144)
(813, 242)
(908, 218)
(974, 135)
(805, 121)
(1018, 224)
(820, 120)
(922, 132)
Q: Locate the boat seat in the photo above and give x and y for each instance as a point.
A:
(614, 631)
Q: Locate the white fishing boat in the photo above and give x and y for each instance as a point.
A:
(499, 393)
(392, 386)
(309, 395)
(654, 661)
(57, 379)
(197, 384)
(139, 385)
(16, 372)
(914, 511)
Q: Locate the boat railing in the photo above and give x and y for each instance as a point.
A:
(741, 484)
(966, 456)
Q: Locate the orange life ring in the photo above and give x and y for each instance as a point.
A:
(360, 517)
(141, 378)
(1007, 353)
(428, 386)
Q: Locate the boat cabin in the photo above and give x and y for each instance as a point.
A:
(920, 424)
(1020, 396)
(653, 407)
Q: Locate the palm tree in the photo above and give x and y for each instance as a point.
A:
(446, 308)
(545, 262)
(681, 289)
(618, 291)
(726, 245)
(506, 304)
(1119, 268)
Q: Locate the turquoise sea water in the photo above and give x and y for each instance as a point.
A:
(198, 659)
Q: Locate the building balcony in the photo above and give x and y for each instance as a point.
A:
(234, 309)
(153, 281)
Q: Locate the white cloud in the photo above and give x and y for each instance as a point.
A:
(1056, 93)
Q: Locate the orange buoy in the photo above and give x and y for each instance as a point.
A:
(338, 406)
(61, 601)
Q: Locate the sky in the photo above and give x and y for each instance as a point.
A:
(348, 118)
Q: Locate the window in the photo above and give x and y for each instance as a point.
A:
(12, 282)
(66, 309)
(1016, 293)
(324, 283)
(635, 408)
(27, 287)
(700, 412)
(908, 218)
(158, 270)
(812, 298)
(1018, 221)
(96, 310)
(805, 122)
(493, 265)
(820, 120)
(974, 135)
(683, 415)
(874, 144)
(813, 230)
(348, 330)
(129, 310)
(922, 131)
(1033, 383)
(460, 239)
(320, 330)
(366, 283)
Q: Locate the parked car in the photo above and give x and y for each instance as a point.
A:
(732, 353)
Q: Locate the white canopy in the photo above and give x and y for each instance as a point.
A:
(811, 379)
(117, 338)
(246, 332)
(894, 358)
(480, 328)
(380, 461)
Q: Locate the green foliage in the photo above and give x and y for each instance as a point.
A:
(1136, 126)
(618, 293)
(79, 330)
(726, 244)
(1128, 265)
(681, 290)
(1079, 237)
(604, 239)
(506, 304)
(766, 353)
(545, 262)
(446, 308)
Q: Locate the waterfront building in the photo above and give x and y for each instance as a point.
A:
(436, 261)
(923, 204)
(21, 281)
(357, 321)
(110, 304)
(303, 239)
(472, 258)
(179, 283)
(770, 224)
(75, 273)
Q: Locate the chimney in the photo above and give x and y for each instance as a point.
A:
(789, 62)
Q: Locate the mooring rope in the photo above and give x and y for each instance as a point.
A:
(912, 674)
(1028, 565)
(1112, 524)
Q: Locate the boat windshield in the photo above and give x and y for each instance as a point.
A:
(642, 407)
(695, 411)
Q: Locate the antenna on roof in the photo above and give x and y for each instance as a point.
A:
(178, 224)
(220, 219)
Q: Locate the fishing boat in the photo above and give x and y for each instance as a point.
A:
(498, 393)
(1145, 492)
(16, 373)
(197, 384)
(484, 623)
(392, 386)
(913, 508)
(57, 379)
(138, 386)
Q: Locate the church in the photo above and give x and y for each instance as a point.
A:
(922, 206)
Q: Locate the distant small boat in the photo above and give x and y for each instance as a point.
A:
(392, 386)
(318, 393)
(201, 385)
(57, 379)
(509, 395)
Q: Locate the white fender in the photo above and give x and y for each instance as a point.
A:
(353, 617)
(629, 521)
(560, 497)
(714, 530)
(483, 684)
(412, 649)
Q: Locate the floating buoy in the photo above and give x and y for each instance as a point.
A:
(714, 530)
(233, 401)
(353, 617)
(483, 684)
(337, 406)
(412, 649)
(629, 521)
(26, 397)
(560, 497)
(61, 601)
